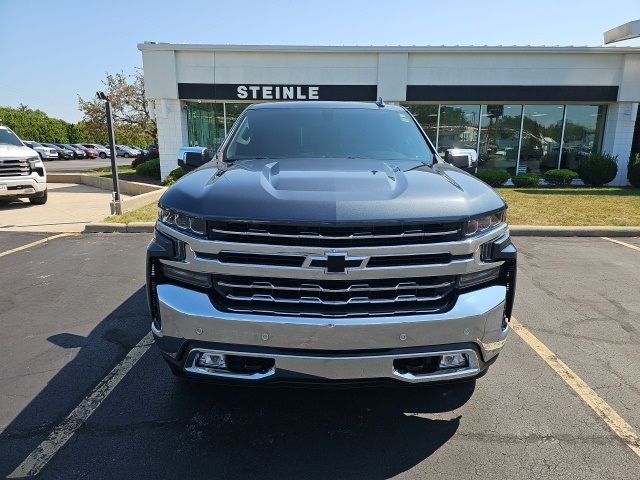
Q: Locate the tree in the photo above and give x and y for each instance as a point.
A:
(132, 122)
(35, 124)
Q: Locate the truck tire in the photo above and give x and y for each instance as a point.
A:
(40, 199)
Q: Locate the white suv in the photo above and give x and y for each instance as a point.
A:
(22, 172)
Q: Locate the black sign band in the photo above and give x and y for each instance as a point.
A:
(270, 92)
(512, 93)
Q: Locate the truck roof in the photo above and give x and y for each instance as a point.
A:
(322, 104)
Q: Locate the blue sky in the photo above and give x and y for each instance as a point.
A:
(55, 50)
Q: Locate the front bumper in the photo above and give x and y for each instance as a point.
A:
(23, 186)
(336, 349)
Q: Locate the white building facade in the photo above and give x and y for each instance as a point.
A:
(524, 109)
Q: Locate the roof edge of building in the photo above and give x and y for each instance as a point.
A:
(387, 48)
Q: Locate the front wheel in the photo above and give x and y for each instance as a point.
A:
(126, 155)
(39, 200)
(103, 155)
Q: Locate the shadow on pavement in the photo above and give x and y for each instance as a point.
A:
(98, 353)
(155, 426)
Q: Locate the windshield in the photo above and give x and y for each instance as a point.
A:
(328, 133)
(7, 137)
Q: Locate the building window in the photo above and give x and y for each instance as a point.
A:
(499, 137)
(541, 137)
(205, 124)
(233, 111)
(427, 117)
(583, 131)
(458, 127)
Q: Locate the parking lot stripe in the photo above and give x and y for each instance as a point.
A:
(624, 244)
(615, 422)
(61, 434)
(37, 242)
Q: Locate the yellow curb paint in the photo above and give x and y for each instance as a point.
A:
(624, 244)
(38, 242)
(615, 422)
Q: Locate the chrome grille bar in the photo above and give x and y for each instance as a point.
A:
(318, 288)
(319, 236)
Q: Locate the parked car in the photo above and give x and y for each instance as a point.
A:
(88, 152)
(63, 152)
(152, 150)
(46, 153)
(126, 152)
(77, 151)
(22, 173)
(329, 242)
(101, 150)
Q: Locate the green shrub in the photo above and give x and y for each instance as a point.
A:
(150, 168)
(175, 175)
(525, 180)
(493, 176)
(598, 169)
(560, 176)
(633, 173)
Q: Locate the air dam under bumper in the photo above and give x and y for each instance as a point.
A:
(301, 347)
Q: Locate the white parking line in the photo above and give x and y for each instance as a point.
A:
(37, 242)
(624, 244)
(44, 452)
(615, 422)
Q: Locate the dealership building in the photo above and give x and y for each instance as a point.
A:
(524, 109)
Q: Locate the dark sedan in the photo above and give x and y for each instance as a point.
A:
(63, 152)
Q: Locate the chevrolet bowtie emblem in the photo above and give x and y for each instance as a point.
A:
(335, 262)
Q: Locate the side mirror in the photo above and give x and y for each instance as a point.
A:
(465, 158)
(191, 158)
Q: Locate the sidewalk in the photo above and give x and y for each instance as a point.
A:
(69, 208)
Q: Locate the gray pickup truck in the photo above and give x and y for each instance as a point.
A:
(329, 242)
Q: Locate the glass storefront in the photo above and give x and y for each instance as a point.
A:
(497, 131)
(208, 123)
(541, 136)
(427, 117)
(499, 137)
(458, 127)
(205, 124)
(582, 133)
(516, 138)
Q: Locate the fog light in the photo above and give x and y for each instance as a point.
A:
(453, 360)
(211, 360)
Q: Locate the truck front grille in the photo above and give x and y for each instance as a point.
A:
(333, 298)
(329, 236)
(14, 167)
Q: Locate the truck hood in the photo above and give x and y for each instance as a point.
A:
(13, 151)
(331, 191)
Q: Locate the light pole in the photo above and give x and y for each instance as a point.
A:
(116, 207)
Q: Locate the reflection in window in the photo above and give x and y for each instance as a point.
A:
(205, 124)
(499, 137)
(582, 133)
(541, 132)
(427, 117)
(233, 111)
(458, 127)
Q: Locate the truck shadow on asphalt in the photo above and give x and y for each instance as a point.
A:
(153, 425)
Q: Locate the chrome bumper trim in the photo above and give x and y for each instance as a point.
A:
(339, 367)
(477, 317)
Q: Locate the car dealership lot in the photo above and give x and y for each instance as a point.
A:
(75, 306)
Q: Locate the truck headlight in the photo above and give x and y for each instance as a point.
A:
(479, 225)
(188, 224)
(35, 162)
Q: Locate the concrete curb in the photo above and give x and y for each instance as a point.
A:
(556, 231)
(140, 194)
(516, 230)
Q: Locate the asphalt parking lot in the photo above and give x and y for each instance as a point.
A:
(73, 307)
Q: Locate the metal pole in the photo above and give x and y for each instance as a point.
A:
(116, 207)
